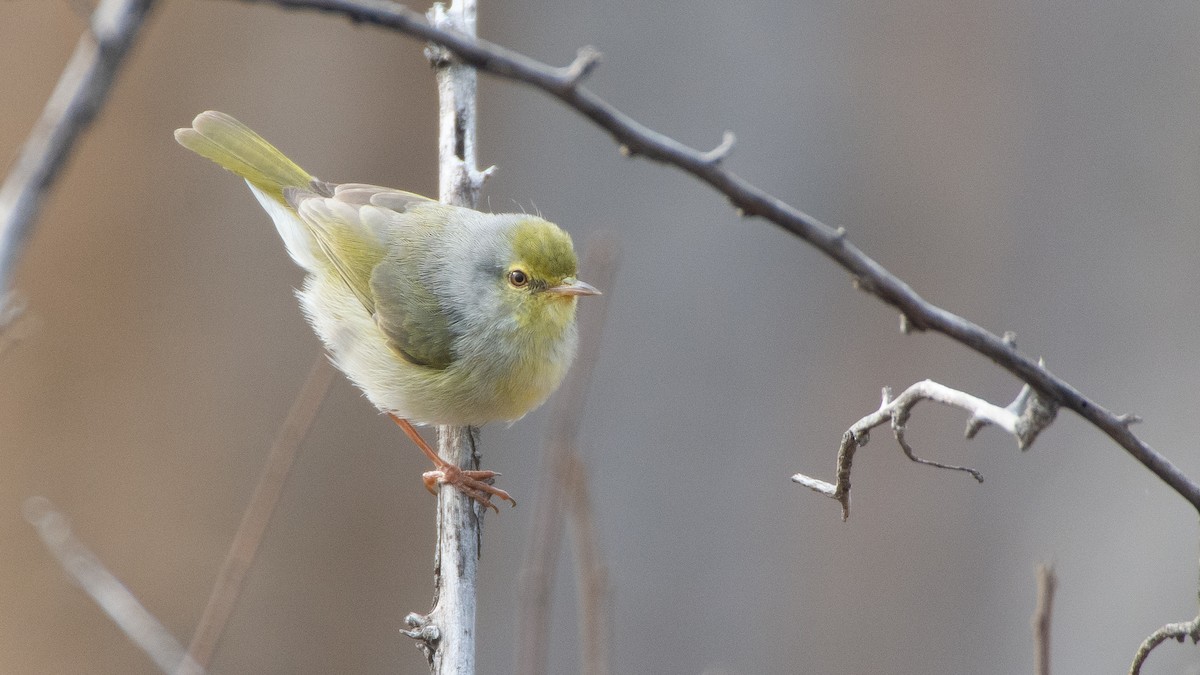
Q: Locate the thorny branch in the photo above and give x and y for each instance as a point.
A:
(84, 85)
(635, 138)
(1024, 418)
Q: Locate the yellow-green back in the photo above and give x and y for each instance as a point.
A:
(237, 148)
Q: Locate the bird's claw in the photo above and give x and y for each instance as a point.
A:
(475, 484)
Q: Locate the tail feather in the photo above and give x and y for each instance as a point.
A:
(236, 147)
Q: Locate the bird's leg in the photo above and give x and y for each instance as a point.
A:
(474, 484)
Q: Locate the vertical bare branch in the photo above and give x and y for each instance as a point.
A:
(595, 619)
(1047, 583)
(541, 561)
(459, 521)
(459, 181)
(81, 91)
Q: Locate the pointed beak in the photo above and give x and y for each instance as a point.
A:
(572, 286)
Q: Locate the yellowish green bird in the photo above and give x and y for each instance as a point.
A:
(440, 314)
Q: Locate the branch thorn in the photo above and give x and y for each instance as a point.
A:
(1129, 418)
(586, 60)
(718, 154)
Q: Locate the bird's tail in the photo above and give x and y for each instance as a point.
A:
(237, 148)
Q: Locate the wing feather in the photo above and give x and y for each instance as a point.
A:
(375, 239)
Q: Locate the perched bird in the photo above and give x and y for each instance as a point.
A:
(440, 314)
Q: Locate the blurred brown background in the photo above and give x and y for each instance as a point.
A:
(1034, 167)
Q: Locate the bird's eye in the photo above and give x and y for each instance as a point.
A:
(518, 278)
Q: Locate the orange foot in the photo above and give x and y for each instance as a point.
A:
(475, 484)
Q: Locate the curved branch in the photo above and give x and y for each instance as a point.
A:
(1024, 418)
(635, 138)
(1176, 631)
(1179, 631)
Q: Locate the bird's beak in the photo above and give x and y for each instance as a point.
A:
(572, 286)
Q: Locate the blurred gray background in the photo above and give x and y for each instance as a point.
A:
(1032, 166)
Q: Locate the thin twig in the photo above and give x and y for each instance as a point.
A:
(595, 616)
(556, 477)
(1025, 418)
(106, 590)
(750, 200)
(81, 90)
(1047, 583)
(244, 547)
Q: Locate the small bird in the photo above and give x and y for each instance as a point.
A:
(440, 314)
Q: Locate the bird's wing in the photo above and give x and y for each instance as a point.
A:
(361, 194)
(372, 237)
(351, 246)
